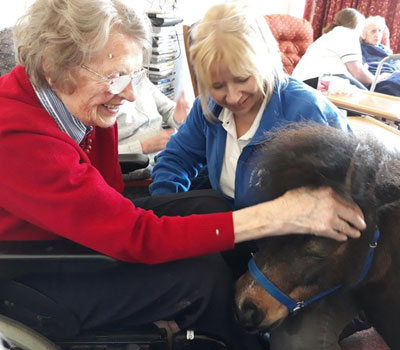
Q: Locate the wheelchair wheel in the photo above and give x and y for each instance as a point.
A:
(22, 337)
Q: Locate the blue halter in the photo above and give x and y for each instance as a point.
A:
(295, 306)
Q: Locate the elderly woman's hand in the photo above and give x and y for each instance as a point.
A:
(182, 109)
(158, 142)
(303, 210)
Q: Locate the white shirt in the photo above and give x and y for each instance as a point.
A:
(234, 147)
(329, 53)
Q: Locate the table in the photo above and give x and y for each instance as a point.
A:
(370, 103)
(388, 135)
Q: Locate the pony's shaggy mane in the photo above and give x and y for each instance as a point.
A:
(314, 155)
(311, 154)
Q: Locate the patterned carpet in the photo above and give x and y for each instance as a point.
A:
(367, 339)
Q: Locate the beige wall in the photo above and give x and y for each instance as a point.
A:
(193, 10)
(190, 10)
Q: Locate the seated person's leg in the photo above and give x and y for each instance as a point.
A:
(196, 293)
(317, 326)
(193, 292)
(202, 202)
(185, 203)
(201, 181)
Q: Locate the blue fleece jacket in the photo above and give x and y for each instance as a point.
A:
(199, 142)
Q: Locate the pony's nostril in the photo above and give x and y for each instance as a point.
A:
(249, 315)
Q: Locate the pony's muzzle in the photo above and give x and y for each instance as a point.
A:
(249, 315)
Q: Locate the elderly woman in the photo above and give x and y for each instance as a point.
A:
(373, 52)
(79, 60)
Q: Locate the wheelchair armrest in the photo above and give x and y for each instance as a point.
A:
(18, 258)
(130, 162)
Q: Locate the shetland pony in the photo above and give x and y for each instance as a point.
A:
(303, 266)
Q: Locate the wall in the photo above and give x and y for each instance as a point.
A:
(193, 10)
(190, 10)
(9, 12)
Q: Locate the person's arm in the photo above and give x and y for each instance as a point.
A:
(50, 188)
(320, 211)
(359, 72)
(183, 156)
(63, 194)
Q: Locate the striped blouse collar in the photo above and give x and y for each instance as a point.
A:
(67, 123)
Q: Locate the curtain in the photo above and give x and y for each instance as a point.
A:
(321, 12)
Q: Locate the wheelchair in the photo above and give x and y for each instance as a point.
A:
(29, 320)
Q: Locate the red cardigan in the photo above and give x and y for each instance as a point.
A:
(50, 188)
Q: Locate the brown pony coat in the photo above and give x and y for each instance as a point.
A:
(304, 265)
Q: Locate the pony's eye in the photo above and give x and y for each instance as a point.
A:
(316, 257)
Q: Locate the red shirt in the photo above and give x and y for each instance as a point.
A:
(50, 188)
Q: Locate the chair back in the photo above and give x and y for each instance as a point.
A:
(293, 35)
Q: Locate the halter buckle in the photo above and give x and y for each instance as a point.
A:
(300, 305)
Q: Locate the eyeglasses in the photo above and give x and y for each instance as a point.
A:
(118, 84)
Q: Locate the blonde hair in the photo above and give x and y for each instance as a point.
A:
(377, 21)
(64, 34)
(243, 41)
(348, 17)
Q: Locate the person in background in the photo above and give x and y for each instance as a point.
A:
(146, 125)
(337, 52)
(78, 61)
(373, 51)
(242, 97)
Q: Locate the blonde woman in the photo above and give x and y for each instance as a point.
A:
(244, 92)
